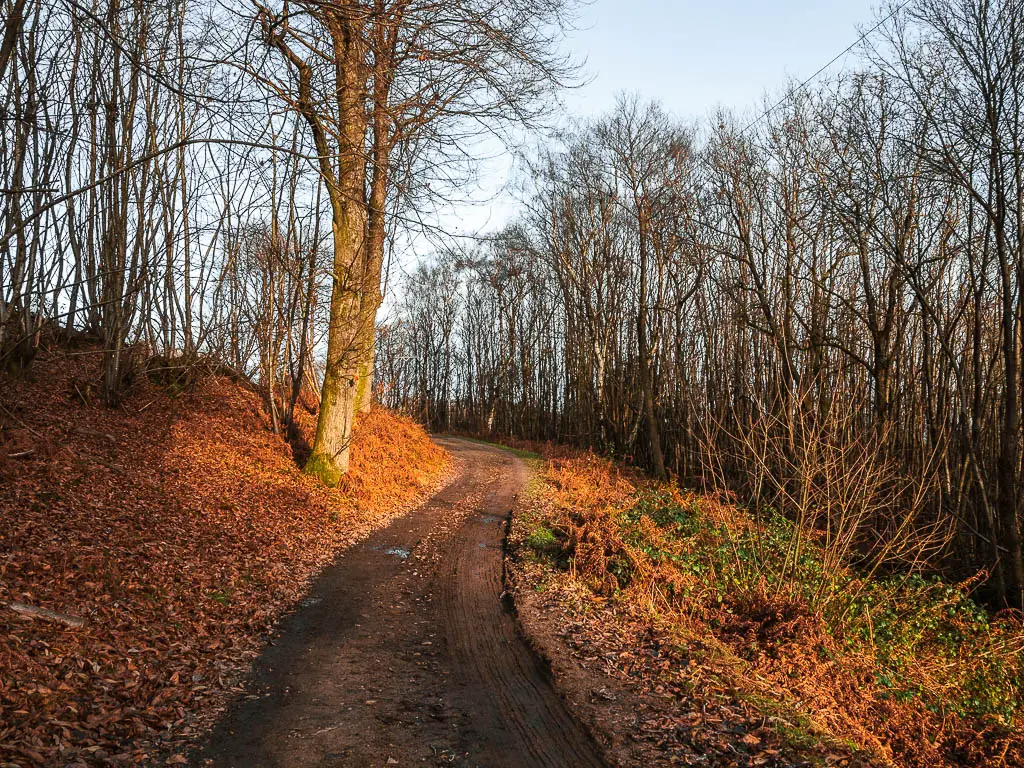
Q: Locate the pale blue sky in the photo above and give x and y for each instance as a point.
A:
(692, 57)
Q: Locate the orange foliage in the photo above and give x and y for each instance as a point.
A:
(179, 528)
(628, 594)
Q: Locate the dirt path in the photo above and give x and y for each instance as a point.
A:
(404, 654)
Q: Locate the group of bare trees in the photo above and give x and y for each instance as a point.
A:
(842, 278)
(184, 179)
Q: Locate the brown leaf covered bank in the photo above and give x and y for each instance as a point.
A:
(178, 527)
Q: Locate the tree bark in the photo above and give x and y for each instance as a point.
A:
(347, 190)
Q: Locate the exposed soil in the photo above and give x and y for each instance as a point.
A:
(406, 652)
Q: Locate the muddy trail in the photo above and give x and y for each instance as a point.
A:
(405, 654)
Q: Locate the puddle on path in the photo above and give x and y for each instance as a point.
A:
(402, 553)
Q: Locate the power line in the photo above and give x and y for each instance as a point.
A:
(808, 81)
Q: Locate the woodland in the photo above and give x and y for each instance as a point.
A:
(819, 309)
(769, 361)
(185, 179)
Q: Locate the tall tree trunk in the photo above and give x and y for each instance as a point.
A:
(385, 40)
(646, 380)
(338, 399)
(1009, 444)
(330, 457)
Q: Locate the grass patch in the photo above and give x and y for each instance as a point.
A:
(520, 452)
(543, 541)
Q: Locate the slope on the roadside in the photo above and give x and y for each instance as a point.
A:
(178, 527)
(676, 641)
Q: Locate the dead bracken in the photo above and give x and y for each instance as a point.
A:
(645, 595)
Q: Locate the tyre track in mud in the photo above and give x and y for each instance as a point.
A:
(403, 654)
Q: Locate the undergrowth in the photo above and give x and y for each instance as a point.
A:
(910, 668)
